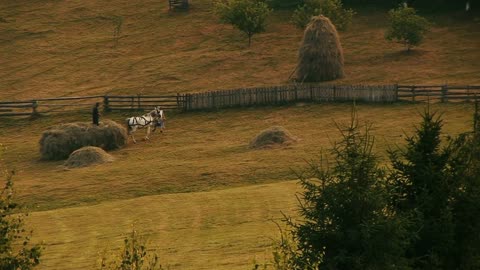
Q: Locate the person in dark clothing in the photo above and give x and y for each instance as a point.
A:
(95, 114)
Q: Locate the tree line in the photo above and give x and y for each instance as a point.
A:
(425, 5)
(421, 211)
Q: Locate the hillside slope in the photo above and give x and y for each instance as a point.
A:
(58, 47)
(225, 229)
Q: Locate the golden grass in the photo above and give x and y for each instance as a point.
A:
(57, 48)
(53, 48)
(202, 151)
(224, 229)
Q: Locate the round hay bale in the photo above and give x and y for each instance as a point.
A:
(320, 56)
(59, 141)
(87, 156)
(274, 136)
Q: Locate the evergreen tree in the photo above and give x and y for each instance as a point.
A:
(423, 187)
(346, 220)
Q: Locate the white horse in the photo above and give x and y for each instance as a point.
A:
(148, 120)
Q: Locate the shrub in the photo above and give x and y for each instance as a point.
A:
(134, 256)
(16, 252)
(406, 27)
(249, 16)
(332, 9)
(59, 141)
(320, 56)
(284, 4)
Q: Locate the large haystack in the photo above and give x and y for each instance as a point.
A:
(58, 142)
(87, 156)
(274, 136)
(321, 56)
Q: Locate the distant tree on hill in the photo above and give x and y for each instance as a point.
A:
(16, 252)
(332, 9)
(406, 27)
(249, 16)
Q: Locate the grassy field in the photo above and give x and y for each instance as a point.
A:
(56, 48)
(224, 229)
(202, 197)
(198, 193)
(203, 151)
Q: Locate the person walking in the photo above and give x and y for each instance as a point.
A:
(95, 114)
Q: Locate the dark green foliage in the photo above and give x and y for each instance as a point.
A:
(346, 218)
(249, 16)
(466, 201)
(439, 188)
(406, 27)
(423, 190)
(134, 256)
(423, 214)
(285, 4)
(16, 252)
(332, 9)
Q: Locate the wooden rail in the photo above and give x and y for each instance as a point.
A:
(442, 93)
(178, 4)
(244, 97)
(287, 94)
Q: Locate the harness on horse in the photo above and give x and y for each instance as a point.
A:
(137, 123)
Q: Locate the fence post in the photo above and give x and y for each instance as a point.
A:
(396, 92)
(413, 93)
(334, 92)
(106, 104)
(34, 108)
(444, 93)
(138, 102)
(468, 93)
(178, 101)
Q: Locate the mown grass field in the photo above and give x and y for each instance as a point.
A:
(202, 197)
(57, 48)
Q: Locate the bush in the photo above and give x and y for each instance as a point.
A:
(134, 256)
(59, 141)
(406, 27)
(332, 9)
(249, 16)
(16, 252)
(284, 4)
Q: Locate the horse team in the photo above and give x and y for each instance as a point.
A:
(155, 118)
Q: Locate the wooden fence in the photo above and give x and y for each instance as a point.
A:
(275, 95)
(442, 93)
(141, 103)
(287, 94)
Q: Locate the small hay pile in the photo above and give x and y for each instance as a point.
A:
(271, 137)
(58, 142)
(87, 156)
(320, 56)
